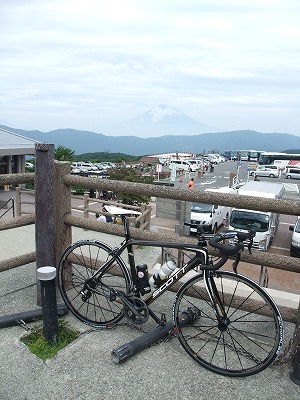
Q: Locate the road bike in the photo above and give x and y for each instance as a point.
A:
(225, 321)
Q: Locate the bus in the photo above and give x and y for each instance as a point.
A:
(249, 155)
(282, 160)
(243, 155)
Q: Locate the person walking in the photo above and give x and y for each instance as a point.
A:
(191, 184)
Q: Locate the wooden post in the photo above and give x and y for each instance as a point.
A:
(18, 202)
(86, 205)
(62, 208)
(148, 217)
(44, 211)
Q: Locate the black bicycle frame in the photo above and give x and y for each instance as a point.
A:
(201, 257)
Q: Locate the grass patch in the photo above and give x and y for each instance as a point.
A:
(40, 347)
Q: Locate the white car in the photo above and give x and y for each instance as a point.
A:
(272, 171)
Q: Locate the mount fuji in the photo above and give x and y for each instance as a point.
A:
(159, 121)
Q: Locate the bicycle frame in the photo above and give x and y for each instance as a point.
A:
(200, 258)
(192, 263)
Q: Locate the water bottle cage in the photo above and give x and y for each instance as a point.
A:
(157, 280)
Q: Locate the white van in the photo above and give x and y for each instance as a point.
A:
(196, 162)
(291, 173)
(295, 243)
(183, 164)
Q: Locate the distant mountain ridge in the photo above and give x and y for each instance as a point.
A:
(88, 142)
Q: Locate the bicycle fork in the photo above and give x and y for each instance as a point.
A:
(211, 288)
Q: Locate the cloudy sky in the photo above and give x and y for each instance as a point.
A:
(231, 64)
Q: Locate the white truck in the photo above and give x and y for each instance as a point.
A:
(209, 216)
(264, 223)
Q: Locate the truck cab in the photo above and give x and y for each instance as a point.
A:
(265, 223)
(209, 216)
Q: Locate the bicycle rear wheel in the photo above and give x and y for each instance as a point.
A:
(92, 305)
(250, 337)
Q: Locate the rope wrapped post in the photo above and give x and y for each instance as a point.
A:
(44, 209)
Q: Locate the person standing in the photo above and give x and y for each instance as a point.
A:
(191, 184)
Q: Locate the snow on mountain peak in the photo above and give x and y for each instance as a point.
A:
(161, 111)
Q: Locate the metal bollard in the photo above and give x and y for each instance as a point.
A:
(295, 375)
(49, 306)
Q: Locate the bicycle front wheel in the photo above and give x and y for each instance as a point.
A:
(92, 304)
(245, 341)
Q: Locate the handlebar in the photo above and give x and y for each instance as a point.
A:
(229, 249)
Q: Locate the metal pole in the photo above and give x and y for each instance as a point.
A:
(295, 374)
(47, 275)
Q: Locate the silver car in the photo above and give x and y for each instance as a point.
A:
(271, 171)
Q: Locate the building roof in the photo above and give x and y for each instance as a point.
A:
(149, 160)
(13, 144)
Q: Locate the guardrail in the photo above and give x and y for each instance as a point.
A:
(19, 201)
(18, 221)
(5, 206)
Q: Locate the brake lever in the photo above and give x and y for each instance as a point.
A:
(236, 262)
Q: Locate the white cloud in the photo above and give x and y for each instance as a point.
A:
(82, 64)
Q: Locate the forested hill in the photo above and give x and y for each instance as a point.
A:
(90, 142)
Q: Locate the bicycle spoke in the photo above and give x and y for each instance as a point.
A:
(86, 289)
(241, 342)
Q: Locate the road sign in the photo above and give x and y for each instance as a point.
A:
(173, 173)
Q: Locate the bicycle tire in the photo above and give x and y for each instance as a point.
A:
(78, 262)
(253, 337)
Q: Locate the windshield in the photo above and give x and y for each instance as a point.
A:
(201, 208)
(248, 219)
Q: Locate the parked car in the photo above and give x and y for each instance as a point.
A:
(295, 243)
(84, 166)
(291, 173)
(272, 171)
(29, 166)
(183, 164)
